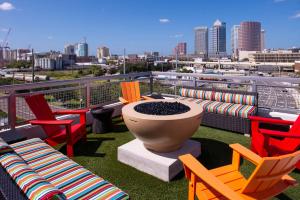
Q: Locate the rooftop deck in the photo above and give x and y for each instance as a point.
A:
(100, 155)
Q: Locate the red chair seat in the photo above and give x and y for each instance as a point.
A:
(61, 136)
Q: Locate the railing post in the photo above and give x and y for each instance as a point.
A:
(151, 84)
(11, 108)
(254, 87)
(88, 95)
(195, 82)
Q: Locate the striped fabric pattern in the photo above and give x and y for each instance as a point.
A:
(184, 92)
(204, 103)
(249, 100)
(240, 110)
(212, 107)
(218, 96)
(208, 95)
(199, 94)
(223, 108)
(33, 185)
(227, 97)
(226, 103)
(4, 147)
(72, 179)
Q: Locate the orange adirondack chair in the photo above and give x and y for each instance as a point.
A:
(131, 92)
(269, 179)
(53, 127)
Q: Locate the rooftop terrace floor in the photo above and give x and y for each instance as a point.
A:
(99, 155)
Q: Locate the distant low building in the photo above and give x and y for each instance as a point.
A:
(50, 60)
(297, 66)
(280, 56)
(244, 55)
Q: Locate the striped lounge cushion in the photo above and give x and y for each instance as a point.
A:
(231, 109)
(237, 110)
(238, 99)
(184, 92)
(72, 179)
(4, 147)
(33, 185)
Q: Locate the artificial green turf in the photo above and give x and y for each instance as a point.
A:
(99, 155)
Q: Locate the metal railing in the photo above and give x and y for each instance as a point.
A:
(274, 93)
(66, 94)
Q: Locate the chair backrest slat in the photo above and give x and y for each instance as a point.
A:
(294, 143)
(131, 91)
(42, 111)
(270, 171)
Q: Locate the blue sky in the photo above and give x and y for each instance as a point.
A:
(140, 25)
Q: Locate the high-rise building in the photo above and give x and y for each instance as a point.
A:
(69, 49)
(262, 39)
(102, 52)
(180, 49)
(201, 41)
(81, 49)
(217, 39)
(235, 41)
(250, 36)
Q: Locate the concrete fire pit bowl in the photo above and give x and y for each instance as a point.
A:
(163, 133)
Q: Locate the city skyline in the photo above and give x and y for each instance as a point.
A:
(139, 28)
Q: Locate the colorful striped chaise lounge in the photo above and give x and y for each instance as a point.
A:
(37, 171)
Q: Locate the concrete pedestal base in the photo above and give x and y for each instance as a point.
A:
(164, 166)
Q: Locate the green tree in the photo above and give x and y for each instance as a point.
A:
(97, 70)
(20, 64)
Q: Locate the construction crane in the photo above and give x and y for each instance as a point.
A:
(4, 44)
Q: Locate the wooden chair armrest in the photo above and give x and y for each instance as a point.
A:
(246, 153)
(278, 133)
(123, 101)
(66, 112)
(270, 120)
(147, 98)
(51, 122)
(206, 176)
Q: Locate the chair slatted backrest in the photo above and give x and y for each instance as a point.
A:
(131, 91)
(270, 171)
(42, 111)
(294, 143)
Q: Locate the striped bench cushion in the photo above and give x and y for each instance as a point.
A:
(231, 109)
(198, 94)
(32, 184)
(72, 179)
(226, 97)
(237, 110)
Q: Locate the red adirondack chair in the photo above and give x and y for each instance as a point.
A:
(267, 142)
(58, 131)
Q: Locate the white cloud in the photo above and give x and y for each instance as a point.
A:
(50, 37)
(4, 29)
(164, 21)
(177, 35)
(296, 16)
(278, 1)
(6, 6)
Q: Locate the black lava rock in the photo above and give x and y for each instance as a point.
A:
(161, 108)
